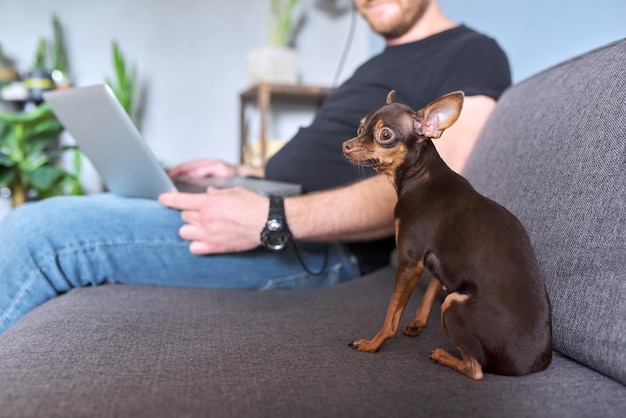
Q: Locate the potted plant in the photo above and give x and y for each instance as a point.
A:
(124, 83)
(277, 61)
(29, 154)
(38, 78)
(60, 66)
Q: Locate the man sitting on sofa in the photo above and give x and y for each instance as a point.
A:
(214, 239)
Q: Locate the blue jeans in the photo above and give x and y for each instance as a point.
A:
(49, 247)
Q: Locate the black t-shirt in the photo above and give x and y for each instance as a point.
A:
(421, 71)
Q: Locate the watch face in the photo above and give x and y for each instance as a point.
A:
(274, 236)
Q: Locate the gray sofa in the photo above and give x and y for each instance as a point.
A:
(553, 152)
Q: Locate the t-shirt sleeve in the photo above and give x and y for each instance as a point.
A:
(479, 67)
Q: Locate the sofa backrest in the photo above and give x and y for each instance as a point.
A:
(554, 153)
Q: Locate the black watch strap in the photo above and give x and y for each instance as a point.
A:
(276, 235)
(277, 208)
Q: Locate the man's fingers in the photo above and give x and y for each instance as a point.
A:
(196, 238)
(199, 248)
(181, 201)
(220, 220)
(190, 217)
(190, 233)
(203, 168)
(186, 169)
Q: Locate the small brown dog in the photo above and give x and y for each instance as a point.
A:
(497, 310)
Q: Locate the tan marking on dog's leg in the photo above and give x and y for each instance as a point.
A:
(451, 298)
(466, 365)
(406, 280)
(423, 312)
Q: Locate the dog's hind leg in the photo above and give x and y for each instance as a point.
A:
(414, 328)
(467, 364)
(460, 336)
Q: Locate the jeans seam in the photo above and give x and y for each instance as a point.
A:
(271, 283)
(18, 296)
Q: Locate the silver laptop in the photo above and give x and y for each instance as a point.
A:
(107, 136)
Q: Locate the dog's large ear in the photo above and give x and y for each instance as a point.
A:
(391, 97)
(439, 115)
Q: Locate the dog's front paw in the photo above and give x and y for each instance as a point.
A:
(365, 346)
(412, 330)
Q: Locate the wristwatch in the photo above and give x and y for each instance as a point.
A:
(276, 234)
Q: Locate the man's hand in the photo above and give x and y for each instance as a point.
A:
(198, 169)
(220, 221)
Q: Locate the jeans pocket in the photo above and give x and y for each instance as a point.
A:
(303, 280)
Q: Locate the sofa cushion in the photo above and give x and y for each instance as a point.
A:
(553, 152)
(125, 351)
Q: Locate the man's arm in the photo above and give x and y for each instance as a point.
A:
(361, 211)
(457, 142)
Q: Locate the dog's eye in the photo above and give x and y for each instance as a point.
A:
(385, 135)
(359, 131)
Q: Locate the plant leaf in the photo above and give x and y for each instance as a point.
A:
(33, 162)
(7, 174)
(44, 177)
(40, 113)
(50, 127)
(78, 162)
(6, 161)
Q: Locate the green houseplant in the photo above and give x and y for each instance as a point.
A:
(59, 65)
(276, 62)
(281, 23)
(38, 79)
(29, 154)
(29, 140)
(124, 82)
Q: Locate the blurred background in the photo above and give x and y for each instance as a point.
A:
(192, 56)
